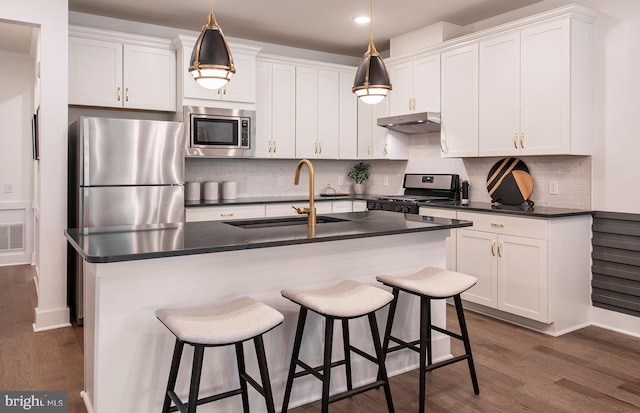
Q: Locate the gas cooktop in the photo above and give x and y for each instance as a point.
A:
(419, 189)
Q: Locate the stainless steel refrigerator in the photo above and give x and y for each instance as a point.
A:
(122, 173)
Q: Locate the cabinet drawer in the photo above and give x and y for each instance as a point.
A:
(438, 213)
(218, 213)
(508, 225)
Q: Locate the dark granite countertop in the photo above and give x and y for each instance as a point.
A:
(103, 245)
(523, 210)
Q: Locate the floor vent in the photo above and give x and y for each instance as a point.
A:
(11, 237)
(615, 283)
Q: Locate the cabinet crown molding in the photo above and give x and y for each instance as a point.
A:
(126, 38)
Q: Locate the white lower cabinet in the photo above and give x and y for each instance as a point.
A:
(512, 270)
(224, 212)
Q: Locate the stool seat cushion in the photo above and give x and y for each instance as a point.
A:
(346, 299)
(432, 282)
(220, 324)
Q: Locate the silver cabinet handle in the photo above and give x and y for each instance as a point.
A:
(226, 214)
(495, 225)
(126, 94)
(515, 140)
(320, 147)
(369, 149)
(522, 140)
(270, 142)
(118, 92)
(386, 148)
(274, 147)
(443, 146)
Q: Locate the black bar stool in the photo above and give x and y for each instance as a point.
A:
(232, 323)
(430, 283)
(344, 301)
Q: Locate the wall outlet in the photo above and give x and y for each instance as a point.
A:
(385, 180)
(280, 182)
(8, 188)
(553, 187)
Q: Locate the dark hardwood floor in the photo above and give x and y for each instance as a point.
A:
(590, 370)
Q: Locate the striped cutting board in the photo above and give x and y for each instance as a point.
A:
(509, 182)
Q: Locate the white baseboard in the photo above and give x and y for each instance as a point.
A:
(618, 322)
(51, 319)
(87, 401)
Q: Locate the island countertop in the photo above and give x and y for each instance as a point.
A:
(103, 245)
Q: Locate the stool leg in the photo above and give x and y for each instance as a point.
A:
(347, 352)
(241, 374)
(467, 344)
(264, 374)
(425, 344)
(173, 374)
(392, 313)
(326, 370)
(382, 370)
(198, 356)
(294, 358)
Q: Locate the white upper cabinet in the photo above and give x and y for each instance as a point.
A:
(530, 101)
(459, 129)
(376, 142)
(111, 69)
(416, 85)
(275, 110)
(347, 117)
(241, 87)
(317, 112)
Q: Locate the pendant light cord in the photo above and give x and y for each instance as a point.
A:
(370, 20)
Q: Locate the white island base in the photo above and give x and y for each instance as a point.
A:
(128, 351)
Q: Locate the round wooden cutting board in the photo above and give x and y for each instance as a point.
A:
(509, 182)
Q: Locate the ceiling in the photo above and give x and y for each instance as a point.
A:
(322, 25)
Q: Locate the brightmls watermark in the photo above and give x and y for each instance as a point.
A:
(33, 401)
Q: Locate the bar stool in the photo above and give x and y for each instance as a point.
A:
(217, 325)
(344, 301)
(430, 283)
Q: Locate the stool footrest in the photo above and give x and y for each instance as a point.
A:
(363, 354)
(314, 370)
(357, 390)
(446, 362)
(447, 332)
(253, 383)
(403, 344)
(182, 407)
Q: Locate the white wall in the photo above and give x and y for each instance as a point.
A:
(16, 111)
(52, 18)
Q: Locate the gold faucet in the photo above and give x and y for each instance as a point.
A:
(311, 211)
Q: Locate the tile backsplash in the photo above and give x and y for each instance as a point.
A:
(262, 177)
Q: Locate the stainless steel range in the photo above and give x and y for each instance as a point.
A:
(420, 189)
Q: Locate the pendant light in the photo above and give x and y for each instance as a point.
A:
(372, 78)
(211, 64)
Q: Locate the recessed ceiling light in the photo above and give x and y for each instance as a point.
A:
(361, 19)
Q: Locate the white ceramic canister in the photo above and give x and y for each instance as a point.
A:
(192, 191)
(229, 190)
(211, 191)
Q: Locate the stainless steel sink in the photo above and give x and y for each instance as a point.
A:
(281, 222)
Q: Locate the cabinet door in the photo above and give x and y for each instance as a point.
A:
(264, 108)
(365, 125)
(426, 84)
(149, 78)
(402, 81)
(283, 103)
(545, 111)
(477, 256)
(341, 206)
(523, 277)
(499, 90)
(459, 130)
(347, 117)
(95, 73)
(328, 113)
(241, 87)
(306, 112)
(379, 135)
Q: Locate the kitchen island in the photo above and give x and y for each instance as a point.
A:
(129, 273)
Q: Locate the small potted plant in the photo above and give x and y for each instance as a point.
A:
(360, 174)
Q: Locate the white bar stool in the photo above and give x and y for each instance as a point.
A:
(216, 325)
(344, 301)
(430, 283)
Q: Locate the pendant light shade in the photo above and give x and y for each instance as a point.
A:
(211, 64)
(372, 81)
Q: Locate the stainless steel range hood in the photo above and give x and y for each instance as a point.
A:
(423, 122)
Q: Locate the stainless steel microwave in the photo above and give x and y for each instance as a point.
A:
(218, 132)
